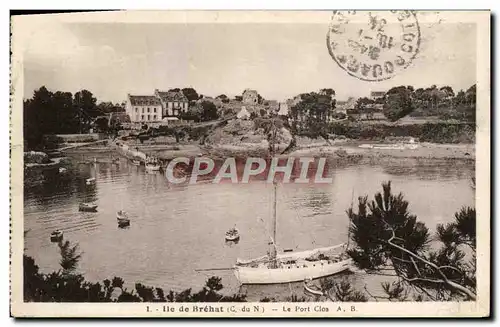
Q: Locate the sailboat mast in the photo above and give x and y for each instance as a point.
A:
(273, 250)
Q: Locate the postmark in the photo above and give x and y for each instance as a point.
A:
(373, 46)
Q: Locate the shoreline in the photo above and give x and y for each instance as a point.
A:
(345, 150)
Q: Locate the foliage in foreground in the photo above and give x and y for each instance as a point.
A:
(390, 241)
(65, 285)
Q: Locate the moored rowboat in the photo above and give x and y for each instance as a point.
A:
(56, 236)
(122, 218)
(87, 207)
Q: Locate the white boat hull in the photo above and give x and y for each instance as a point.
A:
(290, 273)
(152, 168)
(232, 238)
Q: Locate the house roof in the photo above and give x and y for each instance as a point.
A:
(168, 96)
(144, 100)
(377, 93)
(250, 91)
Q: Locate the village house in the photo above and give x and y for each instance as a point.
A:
(243, 113)
(162, 106)
(283, 109)
(376, 95)
(143, 108)
(173, 102)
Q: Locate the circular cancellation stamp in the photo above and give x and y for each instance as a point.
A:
(373, 46)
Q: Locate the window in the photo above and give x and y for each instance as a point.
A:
(136, 110)
(148, 109)
(142, 110)
(142, 116)
(154, 117)
(149, 118)
(154, 110)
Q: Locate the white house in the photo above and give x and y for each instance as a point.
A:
(243, 114)
(283, 109)
(173, 102)
(143, 108)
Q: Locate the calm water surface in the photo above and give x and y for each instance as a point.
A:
(177, 229)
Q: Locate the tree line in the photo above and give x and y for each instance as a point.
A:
(47, 113)
(442, 102)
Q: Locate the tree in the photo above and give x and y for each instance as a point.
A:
(328, 92)
(389, 240)
(398, 103)
(85, 101)
(190, 94)
(209, 111)
(102, 124)
(69, 256)
(311, 115)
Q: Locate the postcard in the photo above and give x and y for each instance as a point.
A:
(250, 164)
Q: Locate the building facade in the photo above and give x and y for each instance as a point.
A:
(157, 107)
(143, 108)
(173, 102)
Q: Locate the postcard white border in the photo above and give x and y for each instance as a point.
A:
(371, 309)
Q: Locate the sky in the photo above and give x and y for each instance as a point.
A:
(279, 60)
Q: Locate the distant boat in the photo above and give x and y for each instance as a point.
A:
(152, 163)
(122, 218)
(90, 207)
(62, 170)
(90, 181)
(233, 234)
(136, 162)
(56, 236)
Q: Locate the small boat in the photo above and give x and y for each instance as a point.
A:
(56, 236)
(62, 170)
(232, 235)
(90, 207)
(122, 218)
(90, 181)
(152, 163)
(136, 162)
(311, 289)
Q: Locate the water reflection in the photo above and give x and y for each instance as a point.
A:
(178, 228)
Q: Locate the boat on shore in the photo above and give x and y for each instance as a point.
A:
(62, 170)
(89, 207)
(136, 162)
(232, 235)
(90, 181)
(410, 144)
(56, 236)
(122, 218)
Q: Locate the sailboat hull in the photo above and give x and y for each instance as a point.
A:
(290, 273)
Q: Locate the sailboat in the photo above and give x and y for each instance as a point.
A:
(286, 267)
